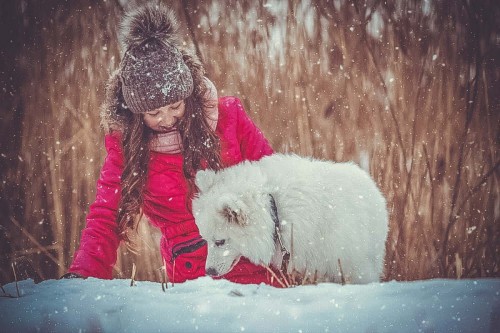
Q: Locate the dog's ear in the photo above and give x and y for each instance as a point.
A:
(205, 179)
(234, 211)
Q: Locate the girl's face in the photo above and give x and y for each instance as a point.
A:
(165, 119)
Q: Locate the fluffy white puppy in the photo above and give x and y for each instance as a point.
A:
(336, 210)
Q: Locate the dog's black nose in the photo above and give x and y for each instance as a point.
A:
(212, 271)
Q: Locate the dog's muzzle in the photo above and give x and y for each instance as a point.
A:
(212, 272)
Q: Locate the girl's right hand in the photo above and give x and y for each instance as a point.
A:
(70, 275)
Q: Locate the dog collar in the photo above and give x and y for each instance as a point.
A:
(285, 254)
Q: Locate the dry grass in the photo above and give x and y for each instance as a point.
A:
(412, 103)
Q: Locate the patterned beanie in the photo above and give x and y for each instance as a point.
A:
(152, 72)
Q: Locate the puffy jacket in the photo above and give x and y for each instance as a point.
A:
(165, 205)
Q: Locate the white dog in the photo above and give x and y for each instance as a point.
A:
(336, 210)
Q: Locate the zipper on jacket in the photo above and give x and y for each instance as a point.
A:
(187, 247)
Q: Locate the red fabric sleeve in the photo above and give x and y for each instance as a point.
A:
(253, 144)
(97, 253)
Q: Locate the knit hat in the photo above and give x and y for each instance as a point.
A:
(152, 71)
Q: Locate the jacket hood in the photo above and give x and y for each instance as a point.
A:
(114, 109)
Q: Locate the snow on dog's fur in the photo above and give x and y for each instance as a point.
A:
(336, 210)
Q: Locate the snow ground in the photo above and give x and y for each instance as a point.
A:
(206, 305)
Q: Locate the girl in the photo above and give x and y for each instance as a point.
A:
(163, 123)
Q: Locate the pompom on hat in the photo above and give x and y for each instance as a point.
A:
(152, 71)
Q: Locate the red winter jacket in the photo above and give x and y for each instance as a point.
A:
(165, 205)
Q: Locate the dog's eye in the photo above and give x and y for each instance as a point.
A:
(219, 243)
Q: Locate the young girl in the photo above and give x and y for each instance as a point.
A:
(163, 123)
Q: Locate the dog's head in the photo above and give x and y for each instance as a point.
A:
(232, 212)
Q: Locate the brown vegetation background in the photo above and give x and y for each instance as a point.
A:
(408, 89)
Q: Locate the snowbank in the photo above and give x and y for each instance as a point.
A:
(205, 305)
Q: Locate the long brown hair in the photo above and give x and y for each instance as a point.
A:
(200, 148)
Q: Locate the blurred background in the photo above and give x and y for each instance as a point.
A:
(409, 89)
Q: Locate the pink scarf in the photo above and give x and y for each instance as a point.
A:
(171, 142)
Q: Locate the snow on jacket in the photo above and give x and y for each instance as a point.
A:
(165, 205)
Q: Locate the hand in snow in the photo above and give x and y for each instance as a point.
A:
(70, 275)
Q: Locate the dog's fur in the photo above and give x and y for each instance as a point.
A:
(336, 210)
